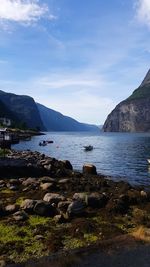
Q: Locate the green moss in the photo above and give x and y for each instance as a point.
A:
(37, 220)
(7, 191)
(19, 200)
(90, 238)
(72, 243)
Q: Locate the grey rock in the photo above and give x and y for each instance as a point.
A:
(76, 207)
(20, 216)
(53, 198)
(28, 205)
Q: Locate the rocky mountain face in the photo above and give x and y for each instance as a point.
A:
(133, 114)
(22, 110)
(55, 121)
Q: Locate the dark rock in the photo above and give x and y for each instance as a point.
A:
(76, 207)
(63, 206)
(44, 209)
(59, 218)
(96, 200)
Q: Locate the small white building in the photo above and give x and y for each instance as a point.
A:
(5, 122)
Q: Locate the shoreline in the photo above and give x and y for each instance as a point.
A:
(51, 208)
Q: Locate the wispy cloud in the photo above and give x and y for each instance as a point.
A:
(23, 11)
(143, 11)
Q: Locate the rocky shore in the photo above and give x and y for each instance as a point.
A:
(47, 207)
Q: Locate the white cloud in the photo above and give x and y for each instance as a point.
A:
(23, 11)
(143, 11)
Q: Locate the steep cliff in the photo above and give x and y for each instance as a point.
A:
(133, 114)
(23, 108)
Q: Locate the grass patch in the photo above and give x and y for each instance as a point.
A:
(38, 220)
(73, 243)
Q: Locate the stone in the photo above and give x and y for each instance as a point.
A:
(96, 200)
(47, 179)
(81, 197)
(76, 207)
(63, 181)
(143, 194)
(53, 198)
(89, 169)
(63, 206)
(46, 186)
(20, 216)
(59, 218)
(30, 181)
(9, 209)
(44, 209)
(2, 263)
(67, 164)
(28, 205)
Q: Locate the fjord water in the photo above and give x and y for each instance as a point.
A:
(120, 155)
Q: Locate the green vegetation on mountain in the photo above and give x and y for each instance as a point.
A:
(141, 92)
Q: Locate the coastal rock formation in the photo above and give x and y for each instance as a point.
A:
(133, 114)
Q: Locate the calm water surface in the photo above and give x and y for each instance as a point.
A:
(120, 155)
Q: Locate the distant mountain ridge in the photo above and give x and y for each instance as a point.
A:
(22, 109)
(55, 121)
(132, 114)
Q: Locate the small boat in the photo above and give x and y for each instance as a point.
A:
(50, 142)
(88, 148)
(43, 143)
(148, 161)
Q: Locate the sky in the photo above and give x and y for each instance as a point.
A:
(79, 57)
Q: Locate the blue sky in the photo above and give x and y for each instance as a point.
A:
(79, 57)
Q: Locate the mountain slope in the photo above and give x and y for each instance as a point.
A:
(133, 114)
(23, 108)
(55, 121)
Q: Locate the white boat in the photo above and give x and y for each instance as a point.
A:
(88, 148)
(148, 161)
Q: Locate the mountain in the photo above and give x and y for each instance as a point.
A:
(55, 121)
(6, 113)
(22, 109)
(132, 114)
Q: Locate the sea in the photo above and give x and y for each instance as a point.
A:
(123, 156)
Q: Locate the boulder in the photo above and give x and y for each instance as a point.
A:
(81, 197)
(28, 205)
(89, 169)
(44, 209)
(10, 209)
(67, 165)
(77, 207)
(20, 216)
(63, 206)
(96, 200)
(30, 181)
(53, 198)
(46, 186)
